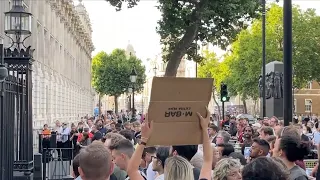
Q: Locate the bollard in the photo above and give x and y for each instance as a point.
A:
(37, 163)
(69, 177)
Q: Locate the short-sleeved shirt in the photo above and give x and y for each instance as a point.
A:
(297, 173)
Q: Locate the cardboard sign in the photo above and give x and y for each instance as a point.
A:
(173, 108)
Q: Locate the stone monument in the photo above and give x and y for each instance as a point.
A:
(274, 90)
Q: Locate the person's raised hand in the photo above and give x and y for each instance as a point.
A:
(204, 121)
(146, 129)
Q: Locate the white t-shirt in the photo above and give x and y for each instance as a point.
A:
(151, 175)
(160, 177)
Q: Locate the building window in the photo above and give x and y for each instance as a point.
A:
(295, 106)
(308, 105)
(309, 85)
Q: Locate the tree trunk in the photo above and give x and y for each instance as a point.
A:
(245, 106)
(99, 104)
(255, 107)
(187, 39)
(116, 104)
(216, 102)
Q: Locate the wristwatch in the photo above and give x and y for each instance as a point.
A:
(143, 143)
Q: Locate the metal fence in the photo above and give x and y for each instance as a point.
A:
(57, 154)
(16, 154)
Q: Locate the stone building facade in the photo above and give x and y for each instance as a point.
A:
(61, 37)
(307, 100)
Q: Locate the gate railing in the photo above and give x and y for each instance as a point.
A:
(56, 156)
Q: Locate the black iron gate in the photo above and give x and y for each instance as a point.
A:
(56, 160)
(16, 152)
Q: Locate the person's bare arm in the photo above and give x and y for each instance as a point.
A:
(318, 169)
(205, 172)
(134, 162)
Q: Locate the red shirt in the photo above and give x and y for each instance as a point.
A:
(80, 136)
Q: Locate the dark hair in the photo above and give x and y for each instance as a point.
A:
(186, 151)
(237, 155)
(316, 125)
(263, 144)
(267, 130)
(163, 154)
(150, 150)
(75, 165)
(293, 147)
(309, 129)
(214, 127)
(127, 134)
(291, 144)
(118, 125)
(251, 128)
(122, 144)
(227, 149)
(264, 168)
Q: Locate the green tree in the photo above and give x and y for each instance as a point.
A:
(211, 67)
(185, 22)
(245, 57)
(111, 73)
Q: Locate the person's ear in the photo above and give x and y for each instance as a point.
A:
(111, 168)
(175, 153)
(123, 156)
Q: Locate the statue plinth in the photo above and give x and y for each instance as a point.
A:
(274, 90)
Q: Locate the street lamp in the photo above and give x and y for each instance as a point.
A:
(155, 69)
(133, 79)
(129, 97)
(133, 75)
(17, 22)
(17, 27)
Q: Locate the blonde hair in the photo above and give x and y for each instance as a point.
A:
(224, 166)
(177, 167)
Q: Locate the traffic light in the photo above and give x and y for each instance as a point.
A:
(224, 93)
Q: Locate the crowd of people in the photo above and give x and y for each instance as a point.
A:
(116, 149)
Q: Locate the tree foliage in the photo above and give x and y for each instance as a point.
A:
(185, 22)
(245, 57)
(211, 67)
(111, 73)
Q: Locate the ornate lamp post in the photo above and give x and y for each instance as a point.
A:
(16, 97)
(155, 69)
(18, 23)
(129, 97)
(133, 79)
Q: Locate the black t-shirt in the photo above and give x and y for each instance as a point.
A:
(103, 131)
(244, 145)
(113, 177)
(97, 136)
(304, 138)
(75, 138)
